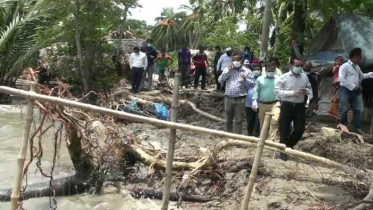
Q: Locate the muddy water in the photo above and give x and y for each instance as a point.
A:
(11, 129)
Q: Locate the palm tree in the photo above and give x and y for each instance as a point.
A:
(19, 23)
(166, 34)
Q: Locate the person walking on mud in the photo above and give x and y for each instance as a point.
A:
(238, 81)
(266, 100)
(184, 61)
(218, 54)
(138, 62)
(350, 90)
(292, 89)
(252, 117)
(163, 61)
(201, 63)
(151, 54)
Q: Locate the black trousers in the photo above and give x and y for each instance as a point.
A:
(295, 113)
(200, 72)
(136, 78)
(253, 124)
(217, 75)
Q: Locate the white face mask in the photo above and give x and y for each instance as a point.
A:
(270, 74)
(307, 72)
(257, 73)
(236, 64)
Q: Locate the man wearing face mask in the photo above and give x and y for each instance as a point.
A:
(247, 55)
(291, 89)
(138, 62)
(274, 62)
(224, 61)
(312, 78)
(252, 117)
(266, 100)
(238, 82)
(350, 90)
(151, 54)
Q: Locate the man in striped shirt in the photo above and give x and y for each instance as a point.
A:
(238, 81)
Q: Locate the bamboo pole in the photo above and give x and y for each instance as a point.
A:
(171, 144)
(16, 192)
(257, 160)
(133, 117)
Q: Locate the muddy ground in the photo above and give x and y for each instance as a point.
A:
(295, 184)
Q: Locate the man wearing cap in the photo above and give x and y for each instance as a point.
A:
(224, 62)
(266, 100)
(238, 82)
(151, 54)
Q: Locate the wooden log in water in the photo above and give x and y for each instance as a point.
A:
(152, 194)
(66, 186)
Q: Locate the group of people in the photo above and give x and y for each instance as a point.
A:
(259, 88)
(347, 81)
(143, 61)
(256, 88)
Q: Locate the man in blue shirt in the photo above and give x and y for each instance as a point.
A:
(266, 100)
(252, 117)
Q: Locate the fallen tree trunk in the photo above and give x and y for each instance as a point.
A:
(61, 187)
(152, 194)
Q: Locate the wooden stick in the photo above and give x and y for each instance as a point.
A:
(133, 117)
(171, 144)
(257, 160)
(22, 152)
(207, 115)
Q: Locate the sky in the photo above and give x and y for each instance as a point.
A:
(153, 8)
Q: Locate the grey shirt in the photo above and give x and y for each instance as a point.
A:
(289, 83)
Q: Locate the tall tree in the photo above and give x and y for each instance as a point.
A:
(265, 33)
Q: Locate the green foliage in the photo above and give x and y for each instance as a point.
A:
(19, 23)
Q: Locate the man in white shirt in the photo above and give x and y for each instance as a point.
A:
(291, 89)
(350, 91)
(224, 61)
(138, 63)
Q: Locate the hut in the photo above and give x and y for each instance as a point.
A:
(337, 38)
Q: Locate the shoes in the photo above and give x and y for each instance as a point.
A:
(359, 131)
(284, 157)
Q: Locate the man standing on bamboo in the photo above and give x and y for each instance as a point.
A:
(291, 89)
(266, 100)
(238, 81)
(138, 62)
